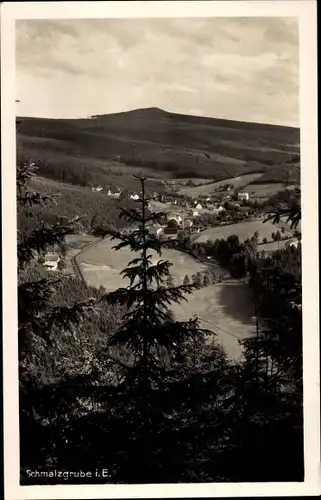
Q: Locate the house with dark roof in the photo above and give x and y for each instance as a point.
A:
(170, 233)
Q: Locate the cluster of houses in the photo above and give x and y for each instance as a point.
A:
(114, 194)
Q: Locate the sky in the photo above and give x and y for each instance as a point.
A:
(234, 68)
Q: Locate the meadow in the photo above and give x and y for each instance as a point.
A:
(208, 189)
(101, 264)
(264, 190)
(243, 230)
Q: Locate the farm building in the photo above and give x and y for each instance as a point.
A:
(243, 196)
(51, 261)
(114, 195)
(97, 188)
(170, 233)
(174, 216)
(134, 196)
(198, 206)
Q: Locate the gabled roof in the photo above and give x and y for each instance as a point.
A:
(170, 230)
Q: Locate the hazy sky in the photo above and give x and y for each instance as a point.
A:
(235, 68)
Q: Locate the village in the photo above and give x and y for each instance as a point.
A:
(190, 216)
(193, 214)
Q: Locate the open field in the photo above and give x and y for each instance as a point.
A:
(183, 182)
(243, 230)
(209, 189)
(158, 206)
(264, 190)
(101, 265)
(214, 305)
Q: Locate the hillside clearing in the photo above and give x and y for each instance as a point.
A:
(264, 190)
(208, 189)
(101, 264)
(243, 230)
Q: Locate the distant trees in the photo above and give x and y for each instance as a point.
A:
(206, 280)
(278, 237)
(198, 282)
(186, 280)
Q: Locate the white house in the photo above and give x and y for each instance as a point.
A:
(198, 206)
(51, 261)
(243, 196)
(114, 195)
(97, 188)
(195, 213)
(218, 210)
(292, 243)
(134, 196)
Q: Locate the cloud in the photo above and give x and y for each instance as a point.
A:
(237, 68)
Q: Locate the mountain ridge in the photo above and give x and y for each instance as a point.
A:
(169, 144)
(155, 112)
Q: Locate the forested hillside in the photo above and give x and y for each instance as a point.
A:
(108, 148)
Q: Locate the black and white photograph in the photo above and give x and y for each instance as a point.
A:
(159, 249)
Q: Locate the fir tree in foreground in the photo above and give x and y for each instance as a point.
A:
(149, 331)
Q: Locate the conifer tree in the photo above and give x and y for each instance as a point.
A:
(36, 315)
(206, 280)
(186, 280)
(291, 210)
(149, 330)
(40, 318)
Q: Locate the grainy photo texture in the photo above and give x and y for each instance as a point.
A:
(159, 250)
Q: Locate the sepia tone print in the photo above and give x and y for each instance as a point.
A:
(159, 250)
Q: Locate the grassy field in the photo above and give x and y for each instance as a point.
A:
(243, 230)
(209, 189)
(101, 265)
(264, 190)
(158, 206)
(214, 305)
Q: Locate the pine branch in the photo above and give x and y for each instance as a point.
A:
(154, 273)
